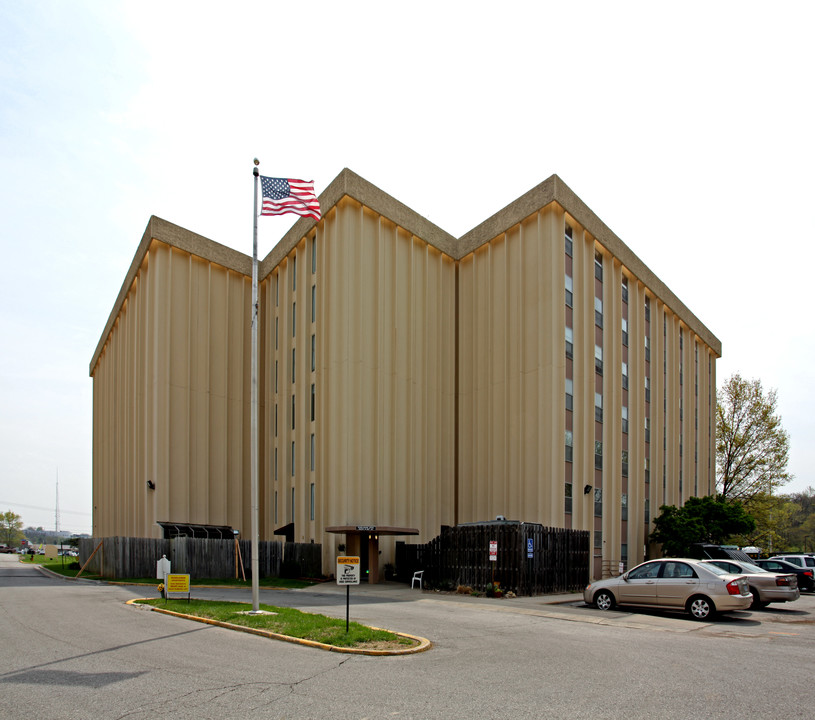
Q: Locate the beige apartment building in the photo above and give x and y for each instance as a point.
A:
(534, 368)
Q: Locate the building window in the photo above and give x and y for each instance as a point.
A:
(569, 394)
(314, 255)
(598, 454)
(294, 272)
(647, 310)
(647, 429)
(625, 465)
(569, 342)
(292, 458)
(569, 241)
(569, 445)
(598, 502)
(292, 504)
(647, 349)
(292, 365)
(568, 494)
(625, 289)
(311, 513)
(598, 312)
(293, 319)
(598, 539)
(275, 508)
(647, 511)
(276, 323)
(598, 407)
(292, 412)
(625, 419)
(275, 375)
(313, 303)
(647, 470)
(598, 359)
(569, 290)
(598, 265)
(275, 420)
(647, 389)
(312, 402)
(625, 376)
(312, 455)
(275, 478)
(625, 332)
(313, 355)
(624, 507)
(624, 553)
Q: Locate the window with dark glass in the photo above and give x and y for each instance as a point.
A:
(569, 241)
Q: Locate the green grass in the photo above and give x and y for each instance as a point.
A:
(57, 566)
(285, 621)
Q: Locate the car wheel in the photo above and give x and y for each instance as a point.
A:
(701, 608)
(604, 600)
(757, 604)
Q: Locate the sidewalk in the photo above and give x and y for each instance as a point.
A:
(403, 592)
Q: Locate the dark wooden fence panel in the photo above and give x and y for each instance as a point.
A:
(125, 557)
(460, 556)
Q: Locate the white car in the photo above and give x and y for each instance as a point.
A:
(673, 584)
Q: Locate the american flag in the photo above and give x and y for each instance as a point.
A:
(286, 195)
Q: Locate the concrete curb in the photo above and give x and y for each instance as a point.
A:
(424, 643)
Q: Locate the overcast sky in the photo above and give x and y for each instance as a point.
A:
(687, 128)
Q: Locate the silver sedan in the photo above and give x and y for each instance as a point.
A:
(673, 584)
(766, 586)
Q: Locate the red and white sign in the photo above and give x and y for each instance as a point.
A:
(494, 550)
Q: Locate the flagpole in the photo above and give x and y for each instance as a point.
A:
(254, 402)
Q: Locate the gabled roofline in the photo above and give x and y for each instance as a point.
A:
(183, 239)
(553, 189)
(349, 184)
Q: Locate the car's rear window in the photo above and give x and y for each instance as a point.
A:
(716, 570)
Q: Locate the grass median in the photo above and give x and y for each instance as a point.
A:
(288, 621)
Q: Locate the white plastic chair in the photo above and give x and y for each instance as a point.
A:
(417, 576)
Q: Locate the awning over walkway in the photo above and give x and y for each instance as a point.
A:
(211, 532)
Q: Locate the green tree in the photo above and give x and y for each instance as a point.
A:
(700, 520)
(11, 526)
(752, 447)
(775, 520)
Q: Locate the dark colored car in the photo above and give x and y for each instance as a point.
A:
(806, 577)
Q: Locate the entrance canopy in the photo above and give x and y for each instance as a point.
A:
(371, 530)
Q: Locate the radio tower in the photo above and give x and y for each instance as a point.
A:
(56, 511)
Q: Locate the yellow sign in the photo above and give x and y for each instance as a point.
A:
(178, 583)
(348, 570)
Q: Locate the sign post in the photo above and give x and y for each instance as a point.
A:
(348, 574)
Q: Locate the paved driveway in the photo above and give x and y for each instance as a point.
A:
(75, 650)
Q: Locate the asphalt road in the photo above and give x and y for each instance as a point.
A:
(75, 650)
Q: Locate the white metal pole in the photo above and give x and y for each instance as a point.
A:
(254, 403)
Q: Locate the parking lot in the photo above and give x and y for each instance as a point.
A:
(75, 649)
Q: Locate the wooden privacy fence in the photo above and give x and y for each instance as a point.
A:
(461, 556)
(129, 557)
